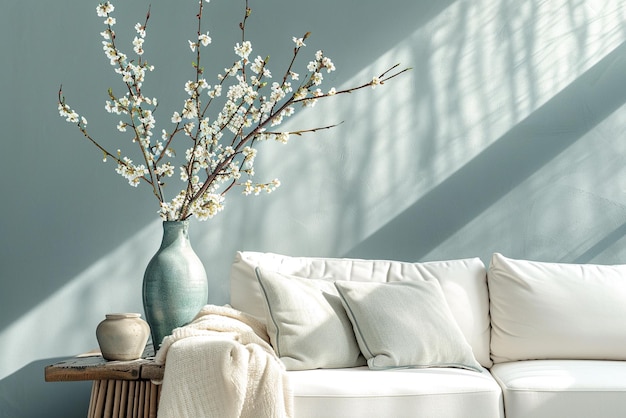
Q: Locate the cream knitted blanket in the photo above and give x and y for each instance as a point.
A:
(222, 365)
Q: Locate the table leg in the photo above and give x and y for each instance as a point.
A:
(124, 399)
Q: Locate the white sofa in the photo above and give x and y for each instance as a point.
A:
(364, 338)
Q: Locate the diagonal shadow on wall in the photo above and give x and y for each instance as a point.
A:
(523, 150)
(608, 240)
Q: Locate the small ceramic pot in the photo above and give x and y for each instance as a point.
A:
(122, 336)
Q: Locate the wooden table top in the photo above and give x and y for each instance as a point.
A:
(92, 366)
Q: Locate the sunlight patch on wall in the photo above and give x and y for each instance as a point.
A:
(480, 68)
(494, 63)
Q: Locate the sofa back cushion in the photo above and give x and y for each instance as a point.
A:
(556, 311)
(463, 283)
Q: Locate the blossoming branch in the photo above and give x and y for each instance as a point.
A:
(219, 150)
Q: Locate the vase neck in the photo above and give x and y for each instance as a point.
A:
(174, 231)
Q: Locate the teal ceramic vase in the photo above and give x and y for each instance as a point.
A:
(175, 285)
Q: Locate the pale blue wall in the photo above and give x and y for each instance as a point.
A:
(507, 136)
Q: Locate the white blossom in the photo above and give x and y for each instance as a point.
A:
(188, 128)
(190, 87)
(250, 188)
(104, 9)
(124, 102)
(249, 153)
(216, 91)
(317, 78)
(277, 92)
(289, 110)
(257, 65)
(184, 176)
(131, 172)
(244, 49)
(138, 45)
(282, 137)
(204, 39)
(166, 169)
(208, 205)
(328, 64)
(127, 77)
(141, 30)
(69, 115)
(301, 93)
(309, 102)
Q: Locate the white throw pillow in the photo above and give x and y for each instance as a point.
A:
(556, 311)
(306, 322)
(405, 324)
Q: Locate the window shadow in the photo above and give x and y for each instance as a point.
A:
(502, 166)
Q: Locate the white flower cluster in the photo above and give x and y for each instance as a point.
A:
(67, 113)
(221, 148)
(132, 172)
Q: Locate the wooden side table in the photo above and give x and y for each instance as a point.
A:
(121, 389)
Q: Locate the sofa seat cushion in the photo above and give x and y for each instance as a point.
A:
(563, 388)
(359, 392)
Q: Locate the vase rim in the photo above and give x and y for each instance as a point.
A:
(122, 315)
